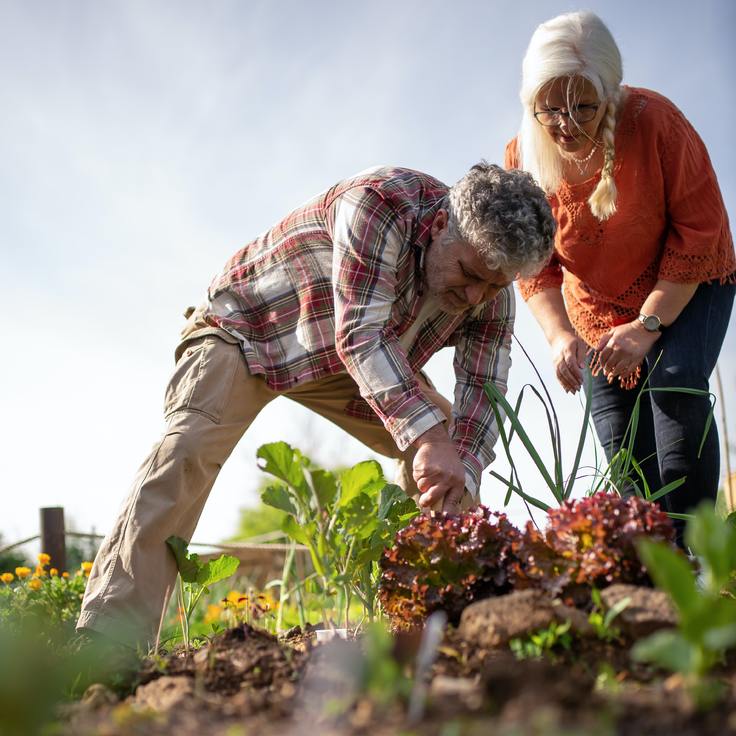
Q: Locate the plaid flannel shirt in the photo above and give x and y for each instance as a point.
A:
(333, 286)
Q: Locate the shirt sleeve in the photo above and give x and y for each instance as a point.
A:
(368, 237)
(482, 355)
(696, 214)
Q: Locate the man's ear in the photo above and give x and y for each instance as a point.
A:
(439, 223)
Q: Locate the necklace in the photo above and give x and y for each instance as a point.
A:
(581, 163)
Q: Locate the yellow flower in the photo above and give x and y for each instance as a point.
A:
(35, 584)
(65, 575)
(39, 572)
(213, 614)
(86, 567)
(235, 599)
(7, 577)
(53, 572)
(22, 572)
(44, 559)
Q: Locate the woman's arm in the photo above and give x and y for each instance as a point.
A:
(667, 300)
(568, 350)
(624, 347)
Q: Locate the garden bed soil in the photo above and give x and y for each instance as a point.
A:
(246, 681)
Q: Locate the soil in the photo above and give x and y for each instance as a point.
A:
(246, 681)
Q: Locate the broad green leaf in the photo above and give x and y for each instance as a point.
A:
(325, 486)
(714, 542)
(668, 649)
(294, 530)
(394, 504)
(215, 570)
(279, 498)
(359, 517)
(285, 463)
(189, 565)
(366, 477)
(671, 572)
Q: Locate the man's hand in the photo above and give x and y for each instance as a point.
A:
(623, 348)
(568, 358)
(438, 470)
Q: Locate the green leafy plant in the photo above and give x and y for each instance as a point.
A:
(543, 643)
(706, 614)
(345, 520)
(444, 561)
(602, 620)
(195, 577)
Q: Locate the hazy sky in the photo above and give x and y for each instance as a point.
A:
(141, 143)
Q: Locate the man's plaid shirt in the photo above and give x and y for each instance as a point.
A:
(332, 288)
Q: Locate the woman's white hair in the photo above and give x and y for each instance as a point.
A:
(571, 45)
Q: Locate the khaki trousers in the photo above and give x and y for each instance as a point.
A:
(210, 401)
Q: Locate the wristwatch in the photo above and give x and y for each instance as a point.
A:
(651, 322)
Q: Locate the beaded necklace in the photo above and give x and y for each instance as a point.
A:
(582, 163)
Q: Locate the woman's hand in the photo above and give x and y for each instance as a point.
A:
(568, 358)
(623, 348)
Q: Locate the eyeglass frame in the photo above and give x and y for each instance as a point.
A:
(559, 114)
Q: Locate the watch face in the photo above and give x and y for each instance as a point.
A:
(651, 323)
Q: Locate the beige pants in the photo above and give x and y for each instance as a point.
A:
(210, 401)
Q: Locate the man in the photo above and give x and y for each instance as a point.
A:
(337, 307)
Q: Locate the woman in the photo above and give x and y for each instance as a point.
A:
(644, 256)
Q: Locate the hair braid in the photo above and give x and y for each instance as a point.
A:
(602, 201)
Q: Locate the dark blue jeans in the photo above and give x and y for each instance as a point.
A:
(671, 425)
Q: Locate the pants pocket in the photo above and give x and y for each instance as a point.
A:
(203, 378)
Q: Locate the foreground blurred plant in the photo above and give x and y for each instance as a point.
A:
(344, 520)
(706, 612)
(445, 562)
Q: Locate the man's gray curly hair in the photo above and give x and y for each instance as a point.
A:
(505, 216)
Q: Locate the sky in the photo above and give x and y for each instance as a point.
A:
(143, 142)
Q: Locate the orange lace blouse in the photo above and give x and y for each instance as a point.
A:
(671, 222)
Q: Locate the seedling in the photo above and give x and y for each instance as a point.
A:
(195, 577)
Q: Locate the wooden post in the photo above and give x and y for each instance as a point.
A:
(53, 539)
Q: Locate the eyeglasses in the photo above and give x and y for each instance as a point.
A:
(578, 115)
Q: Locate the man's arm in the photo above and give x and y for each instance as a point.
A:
(482, 355)
(368, 239)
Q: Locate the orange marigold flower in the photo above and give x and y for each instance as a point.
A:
(35, 584)
(65, 575)
(7, 577)
(22, 572)
(44, 559)
(39, 572)
(53, 572)
(86, 567)
(213, 614)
